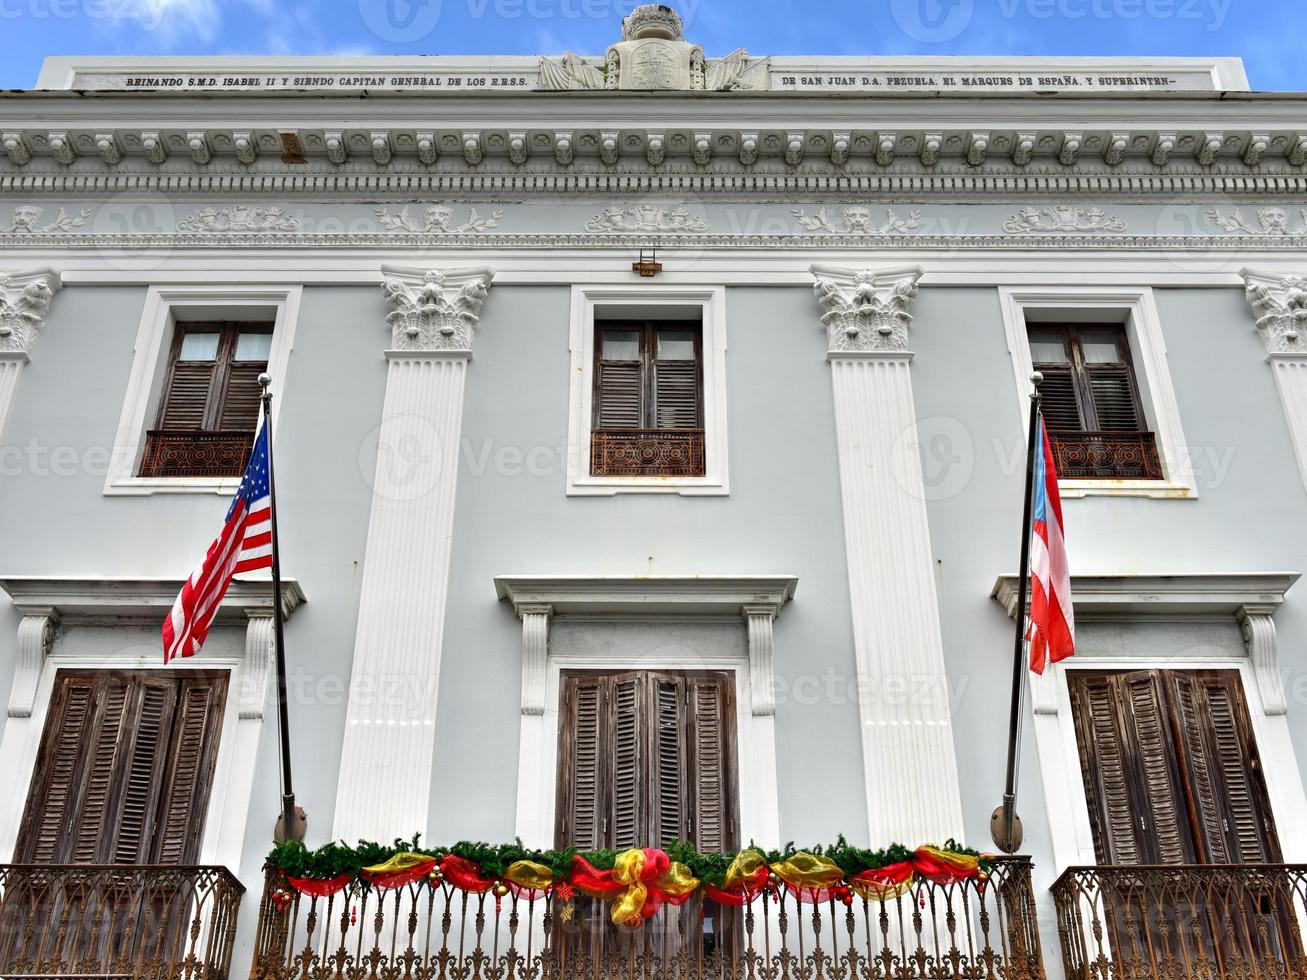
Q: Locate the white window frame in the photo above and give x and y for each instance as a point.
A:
(1189, 601)
(585, 300)
(164, 306)
(1136, 309)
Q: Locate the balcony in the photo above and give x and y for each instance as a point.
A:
(1182, 921)
(973, 929)
(646, 452)
(1106, 455)
(182, 453)
(120, 921)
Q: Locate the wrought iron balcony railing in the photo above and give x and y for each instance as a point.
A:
(983, 930)
(179, 452)
(122, 921)
(1183, 922)
(1106, 455)
(646, 452)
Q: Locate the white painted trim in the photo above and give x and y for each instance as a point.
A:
(1217, 599)
(1148, 346)
(650, 600)
(79, 601)
(228, 298)
(712, 301)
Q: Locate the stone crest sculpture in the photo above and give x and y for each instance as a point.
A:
(654, 55)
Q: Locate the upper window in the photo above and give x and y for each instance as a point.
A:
(648, 399)
(1091, 403)
(210, 403)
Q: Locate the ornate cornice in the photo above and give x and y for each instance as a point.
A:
(866, 312)
(1280, 306)
(432, 310)
(24, 301)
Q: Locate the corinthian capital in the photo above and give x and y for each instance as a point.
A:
(1280, 305)
(866, 311)
(24, 301)
(432, 310)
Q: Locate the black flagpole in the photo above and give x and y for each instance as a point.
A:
(290, 827)
(1005, 825)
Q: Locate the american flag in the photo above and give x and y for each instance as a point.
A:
(243, 544)
(1052, 631)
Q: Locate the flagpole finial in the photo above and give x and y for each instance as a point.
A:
(1036, 378)
(265, 380)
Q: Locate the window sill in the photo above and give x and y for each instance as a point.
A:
(141, 486)
(1154, 489)
(609, 486)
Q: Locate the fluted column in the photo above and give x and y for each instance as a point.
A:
(385, 771)
(909, 760)
(24, 301)
(1280, 305)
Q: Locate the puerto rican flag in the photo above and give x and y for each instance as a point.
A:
(1052, 632)
(243, 544)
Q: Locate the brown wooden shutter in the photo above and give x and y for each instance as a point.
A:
(676, 395)
(121, 775)
(670, 792)
(580, 791)
(189, 772)
(1058, 398)
(1227, 789)
(712, 774)
(628, 726)
(620, 395)
(1112, 389)
(186, 395)
(240, 399)
(1105, 767)
(1161, 804)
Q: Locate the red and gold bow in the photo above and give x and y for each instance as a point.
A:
(745, 878)
(945, 867)
(640, 881)
(402, 869)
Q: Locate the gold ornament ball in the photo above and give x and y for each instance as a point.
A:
(501, 890)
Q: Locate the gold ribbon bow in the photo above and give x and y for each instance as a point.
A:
(804, 870)
(644, 897)
(744, 868)
(529, 874)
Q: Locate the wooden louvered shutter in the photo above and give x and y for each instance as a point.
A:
(619, 392)
(1161, 804)
(711, 763)
(669, 811)
(189, 771)
(188, 388)
(676, 371)
(1226, 787)
(580, 790)
(1058, 398)
(1128, 765)
(628, 762)
(124, 770)
(1103, 356)
(241, 392)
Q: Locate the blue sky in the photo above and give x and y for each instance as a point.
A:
(1268, 34)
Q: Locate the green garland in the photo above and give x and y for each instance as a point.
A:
(337, 858)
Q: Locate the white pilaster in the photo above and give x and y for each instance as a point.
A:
(909, 760)
(762, 656)
(24, 301)
(1280, 305)
(385, 770)
(535, 647)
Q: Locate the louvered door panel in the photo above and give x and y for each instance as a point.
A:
(1188, 710)
(1161, 804)
(1058, 398)
(712, 769)
(58, 771)
(580, 793)
(186, 399)
(1098, 710)
(189, 769)
(670, 810)
(619, 392)
(240, 398)
(154, 701)
(95, 822)
(628, 723)
(1113, 392)
(676, 395)
(1247, 820)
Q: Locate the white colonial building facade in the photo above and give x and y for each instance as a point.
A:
(650, 437)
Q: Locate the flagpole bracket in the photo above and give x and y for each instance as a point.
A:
(299, 826)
